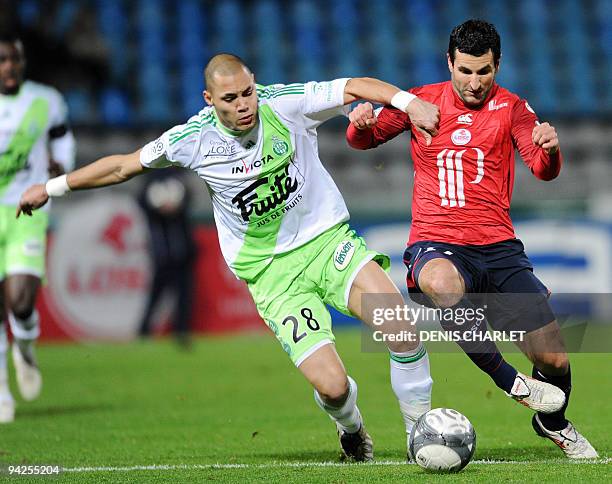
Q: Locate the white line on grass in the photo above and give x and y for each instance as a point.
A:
(173, 467)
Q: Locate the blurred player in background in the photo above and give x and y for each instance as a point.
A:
(462, 239)
(35, 142)
(165, 200)
(282, 222)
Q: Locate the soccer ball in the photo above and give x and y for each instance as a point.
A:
(442, 440)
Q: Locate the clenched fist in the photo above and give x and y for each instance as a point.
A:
(363, 116)
(424, 116)
(545, 136)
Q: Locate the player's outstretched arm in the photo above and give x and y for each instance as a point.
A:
(109, 170)
(424, 116)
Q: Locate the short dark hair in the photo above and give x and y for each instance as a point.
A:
(9, 36)
(475, 37)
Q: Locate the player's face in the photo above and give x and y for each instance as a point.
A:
(235, 100)
(472, 77)
(12, 65)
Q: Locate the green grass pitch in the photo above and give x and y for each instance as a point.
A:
(234, 409)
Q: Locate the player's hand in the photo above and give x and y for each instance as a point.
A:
(425, 117)
(545, 136)
(363, 117)
(55, 169)
(33, 198)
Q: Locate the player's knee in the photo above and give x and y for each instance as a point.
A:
(441, 281)
(334, 391)
(22, 306)
(444, 291)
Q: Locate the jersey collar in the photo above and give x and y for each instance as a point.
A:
(458, 102)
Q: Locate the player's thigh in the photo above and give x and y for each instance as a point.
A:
(438, 275)
(26, 244)
(376, 301)
(339, 264)
(372, 288)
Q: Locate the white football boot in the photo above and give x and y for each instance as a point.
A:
(29, 379)
(537, 395)
(573, 444)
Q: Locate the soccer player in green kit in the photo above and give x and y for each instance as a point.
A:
(35, 141)
(282, 222)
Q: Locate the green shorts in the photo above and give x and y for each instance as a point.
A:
(22, 242)
(291, 293)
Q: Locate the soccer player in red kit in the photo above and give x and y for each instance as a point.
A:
(462, 242)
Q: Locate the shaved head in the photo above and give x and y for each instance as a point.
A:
(231, 90)
(223, 65)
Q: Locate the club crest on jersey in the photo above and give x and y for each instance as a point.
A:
(461, 136)
(344, 254)
(279, 146)
(465, 118)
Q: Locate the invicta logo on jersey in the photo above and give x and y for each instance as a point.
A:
(246, 168)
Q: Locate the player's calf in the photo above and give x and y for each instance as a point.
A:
(7, 404)
(355, 442)
(29, 379)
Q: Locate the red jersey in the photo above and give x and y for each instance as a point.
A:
(463, 181)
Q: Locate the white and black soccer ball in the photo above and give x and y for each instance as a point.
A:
(442, 440)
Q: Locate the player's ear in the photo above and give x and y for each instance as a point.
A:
(207, 97)
(450, 62)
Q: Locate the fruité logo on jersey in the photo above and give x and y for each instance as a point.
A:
(280, 187)
(279, 146)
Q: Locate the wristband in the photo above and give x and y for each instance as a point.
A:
(401, 99)
(58, 186)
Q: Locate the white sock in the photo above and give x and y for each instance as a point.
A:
(347, 416)
(25, 332)
(4, 382)
(411, 382)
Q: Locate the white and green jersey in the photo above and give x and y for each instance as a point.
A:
(269, 190)
(33, 128)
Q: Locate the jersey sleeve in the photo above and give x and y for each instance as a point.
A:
(390, 123)
(309, 104)
(175, 147)
(541, 164)
(62, 146)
